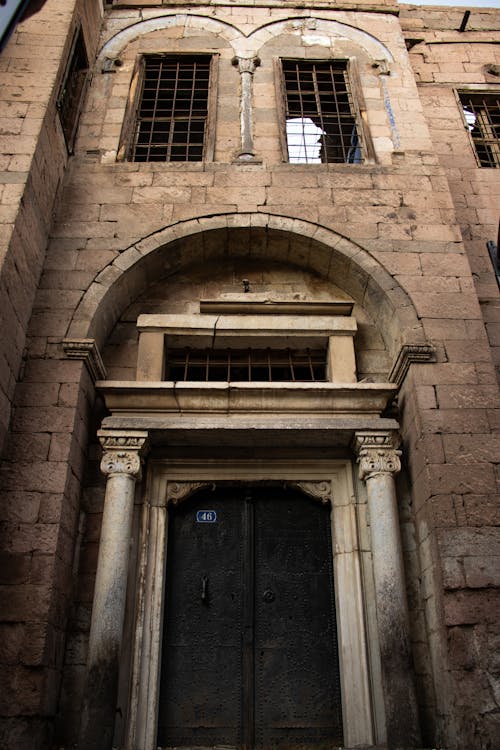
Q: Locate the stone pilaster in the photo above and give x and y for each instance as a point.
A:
(121, 464)
(379, 462)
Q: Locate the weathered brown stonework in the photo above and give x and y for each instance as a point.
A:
(90, 241)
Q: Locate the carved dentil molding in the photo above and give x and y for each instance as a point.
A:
(123, 452)
(377, 453)
(320, 490)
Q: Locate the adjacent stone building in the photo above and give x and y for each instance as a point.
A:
(248, 401)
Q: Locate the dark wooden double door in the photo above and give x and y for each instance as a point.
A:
(249, 648)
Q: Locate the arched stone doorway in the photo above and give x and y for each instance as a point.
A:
(260, 289)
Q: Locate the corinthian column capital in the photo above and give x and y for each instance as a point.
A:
(246, 64)
(377, 453)
(123, 451)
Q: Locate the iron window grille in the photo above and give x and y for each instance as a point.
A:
(320, 113)
(172, 113)
(247, 365)
(72, 92)
(482, 116)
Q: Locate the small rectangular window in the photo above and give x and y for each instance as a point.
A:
(69, 101)
(319, 114)
(173, 109)
(247, 365)
(482, 115)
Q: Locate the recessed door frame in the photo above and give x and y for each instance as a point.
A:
(171, 480)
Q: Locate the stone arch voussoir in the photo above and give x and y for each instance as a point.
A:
(117, 43)
(308, 245)
(314, 25)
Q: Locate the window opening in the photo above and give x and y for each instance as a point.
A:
(72, 91)
(320, 122)
(248, 365)
(482, 114)
(172, 114)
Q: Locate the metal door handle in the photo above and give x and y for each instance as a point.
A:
(268, 596)
(204, 589)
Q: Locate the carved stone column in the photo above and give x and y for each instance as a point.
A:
(121, 463)
(246, 67)
(379, 462)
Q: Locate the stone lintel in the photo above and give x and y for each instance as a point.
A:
(86, 350)
(261, 304)
(410, 354)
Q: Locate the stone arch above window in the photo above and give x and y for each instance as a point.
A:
(276, 238)
(114, 47)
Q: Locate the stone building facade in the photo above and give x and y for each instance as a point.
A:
(271, 306)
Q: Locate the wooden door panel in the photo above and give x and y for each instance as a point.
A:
(297, 696)
(200, 694)
(249, 653)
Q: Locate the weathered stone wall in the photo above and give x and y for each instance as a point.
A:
(465, 508)
(37, 538)
(397, 216)
(33, 158)
(444, 60)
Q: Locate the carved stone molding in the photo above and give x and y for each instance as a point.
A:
(123, 452)
(410, 354)
(320, 490)
(377, 453)
(86, 350)
(179, 491)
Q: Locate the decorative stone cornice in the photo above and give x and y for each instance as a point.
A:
(86, 350)
(179, 491)
(410, 354)
(320, 490)
(377, 453)
(123, 452)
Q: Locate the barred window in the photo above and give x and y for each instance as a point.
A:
(482, 115)
(319, 113)
(171, 121)
(248, 365)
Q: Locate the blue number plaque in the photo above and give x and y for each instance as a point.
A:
(206, 516)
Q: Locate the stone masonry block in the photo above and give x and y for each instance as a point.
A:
(482, 572)
(456, 420)
(467, 397)
(44, 419)
(467, 449)
(469, 542)
(444, 479)
(14, 568)
(470, 607)
(24, 602)
(37, 476)
(482, 510)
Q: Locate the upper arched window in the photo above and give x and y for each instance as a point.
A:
(321, 116)
(170, 110)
